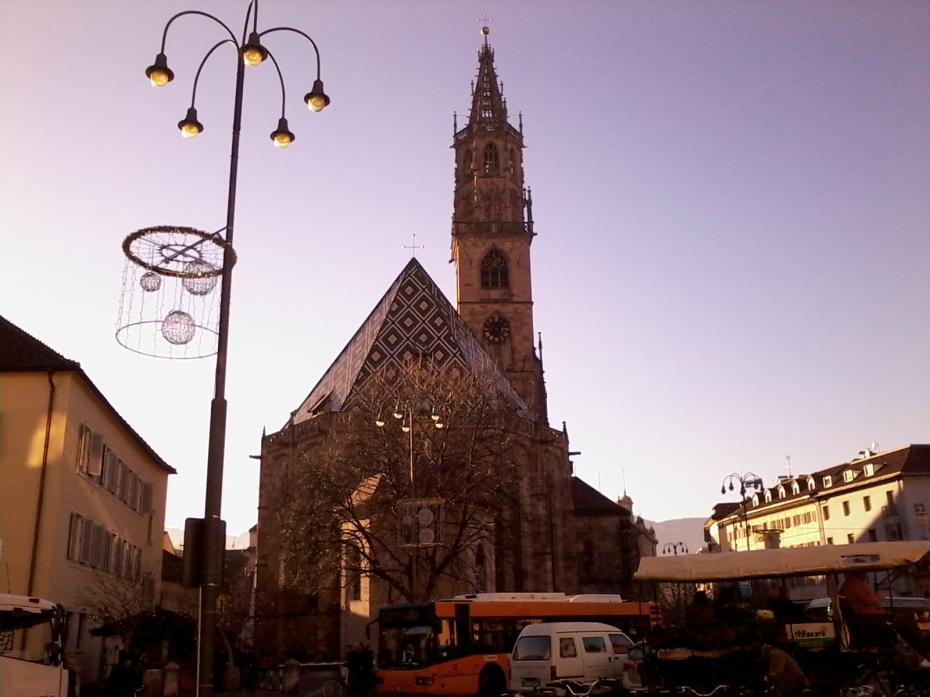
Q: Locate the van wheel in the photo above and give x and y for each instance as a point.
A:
(492, 682)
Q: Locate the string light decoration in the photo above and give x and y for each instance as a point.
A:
(169, 307)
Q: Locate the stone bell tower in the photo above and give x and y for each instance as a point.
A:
(492, 229)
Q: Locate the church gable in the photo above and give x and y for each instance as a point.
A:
(412, 319)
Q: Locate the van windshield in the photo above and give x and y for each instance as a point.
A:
(532, 648)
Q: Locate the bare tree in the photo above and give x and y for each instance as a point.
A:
(409, 489)
(111, 598)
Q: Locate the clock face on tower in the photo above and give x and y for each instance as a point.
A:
(496, 329)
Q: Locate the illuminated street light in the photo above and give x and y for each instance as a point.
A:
(248, 51)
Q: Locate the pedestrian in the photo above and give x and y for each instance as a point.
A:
(782, 671)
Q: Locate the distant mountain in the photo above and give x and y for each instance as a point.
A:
(689, 531)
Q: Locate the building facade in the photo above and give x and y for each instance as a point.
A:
(875, 497)
(489, 332)
(82, 500)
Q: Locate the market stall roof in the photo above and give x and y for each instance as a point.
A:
(798, 561)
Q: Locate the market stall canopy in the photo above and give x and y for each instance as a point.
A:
(767, 563)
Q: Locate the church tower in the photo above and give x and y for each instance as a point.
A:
(492, 229)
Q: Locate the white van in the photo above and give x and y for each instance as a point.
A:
(582, 651)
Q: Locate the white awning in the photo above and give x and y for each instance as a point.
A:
(799, 561)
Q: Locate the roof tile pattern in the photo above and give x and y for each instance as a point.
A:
(412, 319)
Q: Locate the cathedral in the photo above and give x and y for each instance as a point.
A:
(556, 534)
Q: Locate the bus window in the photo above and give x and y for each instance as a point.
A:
(446, 639)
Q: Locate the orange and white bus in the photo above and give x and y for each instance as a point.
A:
(460, 647)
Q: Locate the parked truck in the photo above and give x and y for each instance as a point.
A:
(31, 653)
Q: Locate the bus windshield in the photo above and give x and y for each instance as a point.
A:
(407, 635)
(411, 647)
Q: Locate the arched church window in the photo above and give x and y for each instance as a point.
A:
(467, 165)
(494, 270)
(512, 161)
(491, 160)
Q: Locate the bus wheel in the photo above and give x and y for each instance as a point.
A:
(492, 682)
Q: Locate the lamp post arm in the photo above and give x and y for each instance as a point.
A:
(164, 36)
(253, 5)
(306, 36)
(280, 79)
(204, 62)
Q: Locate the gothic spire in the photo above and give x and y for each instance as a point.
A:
(488, 109)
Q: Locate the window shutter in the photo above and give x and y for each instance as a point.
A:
(146, 498)
(83, 449)
(111, 471)
(87, 540)
(111, 552)
(106, 470)
(133, 491)
(95, 458)
(74, 537)
(123, 482)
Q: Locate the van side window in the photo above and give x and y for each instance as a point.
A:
(594, 644)
(620, 643)
(567, 648)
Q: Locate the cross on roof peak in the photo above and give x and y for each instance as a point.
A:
(414, 246)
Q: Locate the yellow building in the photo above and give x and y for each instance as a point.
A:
(875, 497)
(82, 495)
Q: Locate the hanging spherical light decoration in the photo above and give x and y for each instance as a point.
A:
(178, 327)
(150, 281)
(199, 277)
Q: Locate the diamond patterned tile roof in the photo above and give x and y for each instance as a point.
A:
(412, 319)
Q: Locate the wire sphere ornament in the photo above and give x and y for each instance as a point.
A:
(178, 327)
(201, 278)
(169, 307)
(150, 281)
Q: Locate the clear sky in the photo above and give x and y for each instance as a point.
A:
(731, 199)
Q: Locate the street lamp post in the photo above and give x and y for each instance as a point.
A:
(747, 482)
(407, 414)
(249, 52)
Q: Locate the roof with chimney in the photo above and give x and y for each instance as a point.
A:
(411, 320)
(866, 469)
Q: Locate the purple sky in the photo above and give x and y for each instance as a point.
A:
(732, 202)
